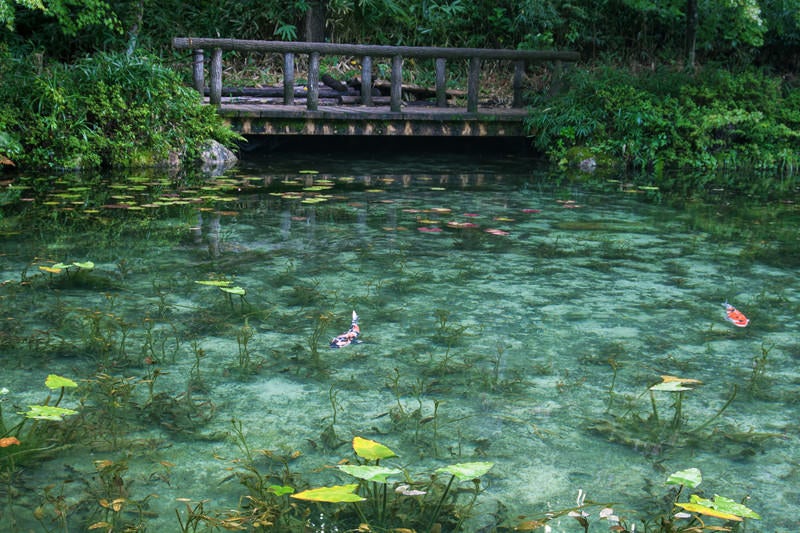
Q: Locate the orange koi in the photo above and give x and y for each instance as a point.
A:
(735, 316)
(348, 337)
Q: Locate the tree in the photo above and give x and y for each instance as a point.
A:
(72, 15)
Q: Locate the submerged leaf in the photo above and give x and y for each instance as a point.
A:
(465, 471)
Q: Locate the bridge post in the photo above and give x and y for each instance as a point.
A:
(366, 80)
(472, 84)
(215, 88)
(198, 76)
(397, 83)
(441, 82)
(519, 72)
(288, 78)
(312, 102)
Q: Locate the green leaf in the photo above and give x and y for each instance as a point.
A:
(215, 283)
(465, 471)
(54, 382)
(370, 473)
(86, 265)
(47, 412)
(234, 290)
(371, 450)
(691, 477)
(60, 266)
(280, 490)
(726, 505)
(708, 511)
(335, 494)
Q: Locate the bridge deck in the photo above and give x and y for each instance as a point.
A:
(255, 118)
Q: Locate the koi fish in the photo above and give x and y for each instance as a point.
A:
(348, 337)
(735, 316)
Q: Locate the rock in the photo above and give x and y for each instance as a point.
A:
(216, 158)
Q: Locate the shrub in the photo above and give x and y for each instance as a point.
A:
(107, 110)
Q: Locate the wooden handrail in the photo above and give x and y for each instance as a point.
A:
(366, 51)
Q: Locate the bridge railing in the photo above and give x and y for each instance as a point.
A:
(521, 59)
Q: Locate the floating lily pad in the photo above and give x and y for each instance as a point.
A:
(239, 291)
(371, 450)
(335, 494)
(86, 265)
(50, 270)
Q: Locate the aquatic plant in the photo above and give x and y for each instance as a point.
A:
(655, 432)
(26, 439)
(681, 517)
(411, 504)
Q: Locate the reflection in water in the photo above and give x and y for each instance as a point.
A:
(503, 319)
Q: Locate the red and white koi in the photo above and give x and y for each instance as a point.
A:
(349, 337)
(735, 316)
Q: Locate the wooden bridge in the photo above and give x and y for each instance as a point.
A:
(324, 106)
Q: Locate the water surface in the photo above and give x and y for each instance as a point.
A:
(507, 315)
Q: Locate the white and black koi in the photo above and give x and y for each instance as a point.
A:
(349, 337)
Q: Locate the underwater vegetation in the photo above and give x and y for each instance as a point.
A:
(497, 372)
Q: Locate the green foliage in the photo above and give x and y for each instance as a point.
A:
(105, 110)
(717, 119)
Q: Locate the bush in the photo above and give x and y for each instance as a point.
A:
(107, 110)
(666, 119)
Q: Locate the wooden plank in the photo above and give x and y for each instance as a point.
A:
(288, 78)
(215, 84)
(361, 50)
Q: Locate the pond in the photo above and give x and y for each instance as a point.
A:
(526, 341)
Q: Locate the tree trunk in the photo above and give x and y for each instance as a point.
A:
(691, 32)
(314, 23)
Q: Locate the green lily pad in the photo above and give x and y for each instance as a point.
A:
(60, 266)
(466, 471)
(335, 494)
(370, 473)
(86, 265)
(691, 477)
(47, 412)
(54, 382)
(371, 450)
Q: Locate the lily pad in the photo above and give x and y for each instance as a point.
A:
(370, 473)
(466, 471)
(280, 490)
(215, 283)
(54, 382)
(48, 412)
(371, 450)
(86, 265)
(234, 290)
(335, 494)
(691, 477)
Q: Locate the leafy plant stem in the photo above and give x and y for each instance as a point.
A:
(438, 508)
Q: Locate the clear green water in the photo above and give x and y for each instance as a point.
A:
(532, 347)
